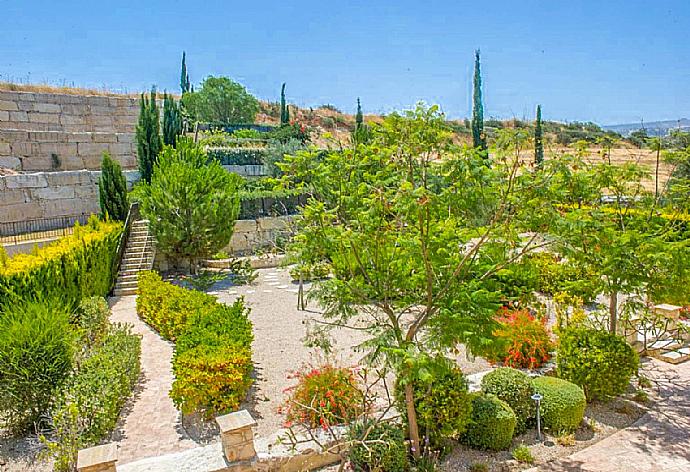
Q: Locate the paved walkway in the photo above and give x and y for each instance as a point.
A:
(659, 441)
(150, 425)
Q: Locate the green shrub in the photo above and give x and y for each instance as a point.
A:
(212, 362)
(515, 388)
(377, 447)
(70, 269)
(561, 276)
(563, 404)
(112, 189)
(442, 402)
(36, 352)
(479, 467)
(523, 454)
(600, 362)
(493, 423)
(87, 409)
(91, 318)
(238, 156)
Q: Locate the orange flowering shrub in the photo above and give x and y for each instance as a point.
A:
(324, 396)
(522, 340)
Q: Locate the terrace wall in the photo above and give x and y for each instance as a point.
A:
(57, 132)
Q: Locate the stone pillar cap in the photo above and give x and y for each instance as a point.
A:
(92, 456)
(236, 420)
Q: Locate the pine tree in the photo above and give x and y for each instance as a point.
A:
(172, 120)
(112, 189)
(538, 139)
(184, 75)
(284, 111)
(478, 138)
(148, 135)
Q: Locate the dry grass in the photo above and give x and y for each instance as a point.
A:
(46, 88)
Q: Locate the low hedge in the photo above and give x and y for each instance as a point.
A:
(600, 362)
(515, 388)
(212, 362)
(238, 156)
(563, 403)
(73, 267)
(493, 423)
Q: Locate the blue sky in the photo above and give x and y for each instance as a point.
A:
(604, 61)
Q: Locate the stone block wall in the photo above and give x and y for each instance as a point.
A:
(51, 194)
(57, 132)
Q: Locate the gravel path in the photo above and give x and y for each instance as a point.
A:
(278, 348)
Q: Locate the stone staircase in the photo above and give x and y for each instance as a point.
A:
(138, 256)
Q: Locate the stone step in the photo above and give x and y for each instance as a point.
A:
(126, 283)
(124, 292)
(676, 356)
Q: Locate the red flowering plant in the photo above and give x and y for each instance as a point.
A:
(325, 395)
(522, 340)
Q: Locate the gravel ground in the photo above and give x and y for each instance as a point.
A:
(278, 349)
(22, 454)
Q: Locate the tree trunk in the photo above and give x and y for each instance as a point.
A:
(613, 312)
(656, 175)
(412, 420)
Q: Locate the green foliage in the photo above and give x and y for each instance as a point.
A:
(523, 454)
(377, 447)
(112, 189)
(284, 110)
(601, 363)
(554, 276)
(148, 135)
(237, 156)
(74, 267)
(212, 362)
(521, 340)
(442, 401)
(221, 100)
(276, 152)
(563, 404)
(172, 120)
(247, 133)
(184, 75)
(325, 395)
(515, 388)
(91, 319)
(205, 279)
(493, 423)
(479, 467)
(289, 132)
(36, 350)
(538, 139)
(191, 204)
(88, 407)
(478, 137)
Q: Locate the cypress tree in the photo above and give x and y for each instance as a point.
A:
(148, 135)
(538, 139)
(112, 189)
(359, 118)
(361, 133)
(478, 138)
(184, 75)
(284, 112)
(172, 120)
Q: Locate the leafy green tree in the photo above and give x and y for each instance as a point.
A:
(414, 241)
(284, 110)
(172, 120)
(191, 203)
(638, 137)
(478, 137)
(184, 75)
(538, 139)
(221, 100)
(148, 135)
(112, 189)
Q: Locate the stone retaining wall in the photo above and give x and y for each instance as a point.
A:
(51, 194)
(52, 131)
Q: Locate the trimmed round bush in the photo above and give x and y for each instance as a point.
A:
(493, 423)
(600, 362)
(515, 388)
(442, 402)
(378, 447)
(563, 404)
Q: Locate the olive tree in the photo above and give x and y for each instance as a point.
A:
(191, 203)
(221, 100)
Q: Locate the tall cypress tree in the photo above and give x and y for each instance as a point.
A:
(148, 135)
(284, 112)
(538, 139)
(172, 120)
(112, 189)
(184, 75)
(359, 118)
(478, 138)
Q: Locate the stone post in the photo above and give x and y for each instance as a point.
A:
(98, 459)
(237, 436)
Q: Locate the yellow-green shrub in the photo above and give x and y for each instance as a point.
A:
(70, 269)
(212, 362)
